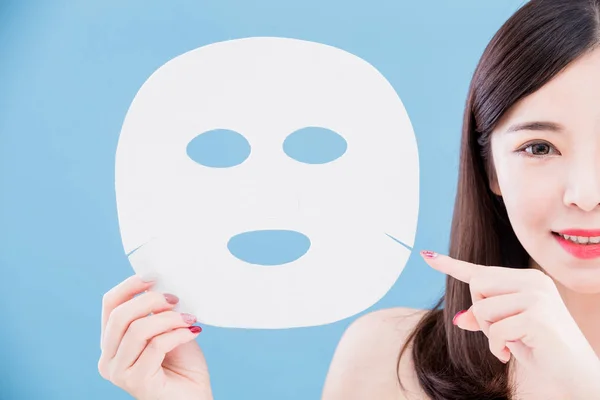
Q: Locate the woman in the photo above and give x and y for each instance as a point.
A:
(527, 207)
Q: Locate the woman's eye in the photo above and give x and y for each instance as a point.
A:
(540, 149)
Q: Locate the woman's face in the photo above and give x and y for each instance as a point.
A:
(548, 174)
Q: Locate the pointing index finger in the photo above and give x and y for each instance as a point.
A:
(461, 270)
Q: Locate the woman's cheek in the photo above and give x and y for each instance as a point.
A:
(531, 193)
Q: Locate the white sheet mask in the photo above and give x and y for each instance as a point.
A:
(262, 181)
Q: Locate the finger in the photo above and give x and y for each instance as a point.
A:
(495, 281)
(466, 320)
(520, 351)
(492, 309)
(461, 270)
(126, 313)
(512, 333)
(487, 281)
(157, 348)
(119, 294)
(512, 328)
(144, 329)
(499, 314)
(498, 348)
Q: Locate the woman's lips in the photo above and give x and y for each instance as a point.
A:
(584, 251)
(580, 232)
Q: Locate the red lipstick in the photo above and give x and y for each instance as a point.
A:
(584, 251)
(581, 232)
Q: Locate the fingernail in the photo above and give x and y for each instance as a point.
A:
(508, 353)
(458, 314)
(195, 329)
(428, 254)
(188, 318)
(171, 299)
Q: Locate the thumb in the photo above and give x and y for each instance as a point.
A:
(187, 355)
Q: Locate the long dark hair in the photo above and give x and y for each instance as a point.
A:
(534, 45)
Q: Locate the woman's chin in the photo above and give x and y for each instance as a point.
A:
(583, 282)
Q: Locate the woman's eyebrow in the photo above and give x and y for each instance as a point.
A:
(536, 126)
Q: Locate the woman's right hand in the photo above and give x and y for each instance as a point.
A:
(152, 357)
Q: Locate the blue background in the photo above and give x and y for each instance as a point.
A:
(68, 72)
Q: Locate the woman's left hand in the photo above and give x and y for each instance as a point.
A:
(521, 312)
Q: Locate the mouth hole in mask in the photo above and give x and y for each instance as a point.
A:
(269, 247)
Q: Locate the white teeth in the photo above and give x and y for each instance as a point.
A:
(582, 239)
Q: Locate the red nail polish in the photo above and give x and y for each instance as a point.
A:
(188, 318)
(171, 299)
(195, 329)
(458, 314)
(428, 254)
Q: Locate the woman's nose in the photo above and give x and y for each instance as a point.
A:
(583, 186)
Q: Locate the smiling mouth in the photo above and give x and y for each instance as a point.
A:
(580, 244)
(581, 240)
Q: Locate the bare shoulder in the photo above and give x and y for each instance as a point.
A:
(364, 365)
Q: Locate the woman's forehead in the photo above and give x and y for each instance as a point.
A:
(570, 101)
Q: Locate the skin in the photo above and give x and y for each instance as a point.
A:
(552, 186)
(152, 357)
